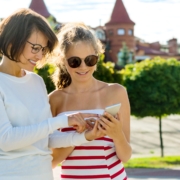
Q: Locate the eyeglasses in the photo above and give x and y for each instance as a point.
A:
(37, 47)
(75, 62)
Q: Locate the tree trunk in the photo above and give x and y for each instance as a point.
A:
(161, 138)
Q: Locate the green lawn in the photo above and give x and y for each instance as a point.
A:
(154, 162)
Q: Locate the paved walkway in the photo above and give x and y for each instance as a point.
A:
(141, 174)
(145, 136)
(153, 174)
(145, 142)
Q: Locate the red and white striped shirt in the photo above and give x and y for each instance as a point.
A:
(96, 159)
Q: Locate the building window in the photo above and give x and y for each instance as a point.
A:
(120, 31)
(130, 32)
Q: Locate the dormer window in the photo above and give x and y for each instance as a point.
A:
(130, 32)
(120, 32)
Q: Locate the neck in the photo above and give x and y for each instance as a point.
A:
(85, 87)
(10, 67)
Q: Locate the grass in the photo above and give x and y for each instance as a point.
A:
(154, 162)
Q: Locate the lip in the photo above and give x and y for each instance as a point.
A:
(82, 73)
(33, 63)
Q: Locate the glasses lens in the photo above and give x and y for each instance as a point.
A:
(91, 60)
(36, 48)
(74, 62)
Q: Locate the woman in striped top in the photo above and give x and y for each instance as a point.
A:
(102, 158)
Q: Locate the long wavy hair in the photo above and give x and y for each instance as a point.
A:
(70, 34)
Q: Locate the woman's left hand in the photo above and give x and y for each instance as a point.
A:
(94, 133)
(110, 125)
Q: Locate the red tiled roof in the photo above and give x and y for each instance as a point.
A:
(150, 51)
(119, 14)
(39, 7)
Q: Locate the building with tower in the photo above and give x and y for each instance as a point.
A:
(40, 7)
(117, 31)
(120, 29)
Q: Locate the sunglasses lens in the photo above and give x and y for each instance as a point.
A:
(74, 62)
(91, 60)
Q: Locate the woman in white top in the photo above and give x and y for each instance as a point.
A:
(102, 158)
(27, 128)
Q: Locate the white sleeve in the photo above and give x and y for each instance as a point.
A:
(12, 138)
(63, 139)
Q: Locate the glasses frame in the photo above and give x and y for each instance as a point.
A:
(85, 60)
(45, 48)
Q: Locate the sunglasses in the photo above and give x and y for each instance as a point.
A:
(75, 62)
(37, 47)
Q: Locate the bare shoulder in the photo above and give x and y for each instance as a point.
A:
(113, 92)
(55, 101)
(118, 94)
(54, 94)
(55, 97)
(116, 88)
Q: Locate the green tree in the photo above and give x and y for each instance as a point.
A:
(154, 89)
(123, 55)
(106, 72)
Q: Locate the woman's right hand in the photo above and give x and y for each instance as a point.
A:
(78, 122)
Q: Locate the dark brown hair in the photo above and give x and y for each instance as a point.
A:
(18, 27)
(70, 34)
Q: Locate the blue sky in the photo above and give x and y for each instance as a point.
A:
(156, 20)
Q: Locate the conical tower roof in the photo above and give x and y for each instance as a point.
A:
(39, 7)
(119, 14)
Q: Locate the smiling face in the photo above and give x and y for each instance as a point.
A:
(28, 59)
(83, 72)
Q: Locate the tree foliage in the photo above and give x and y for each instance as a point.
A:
(45, 73)
(154, 88)
(106, 72)
(125, 54)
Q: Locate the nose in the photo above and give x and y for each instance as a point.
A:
(83, 64)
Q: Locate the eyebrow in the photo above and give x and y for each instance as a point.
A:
(36, 44)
